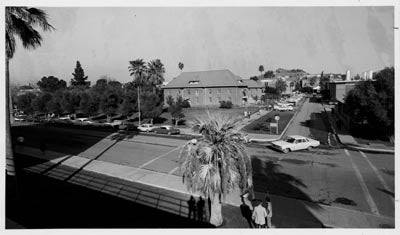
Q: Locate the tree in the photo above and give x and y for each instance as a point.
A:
(175, 108)
(24, 102)
(89, 103)
(138, 69)
(218, 163)
(39, 104)
(181, 65)
(357, 77)
(261, 69)
(269, 74)
(110, 100)
(254, 78)
(155, 72)
(152, 106)
(297, 86)
(51, 84)
(129, 103)
(312, 81)
(373, 102)
(280, 86)
(79, 79)
(324, 85)
(20, 21)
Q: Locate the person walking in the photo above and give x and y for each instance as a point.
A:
(200, 209)
(268, 207)
(259, 214)
(192, 207)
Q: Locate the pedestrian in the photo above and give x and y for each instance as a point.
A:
(259, 214)
(43, 146)
(192, 207)
(268, 207)
(200, 209)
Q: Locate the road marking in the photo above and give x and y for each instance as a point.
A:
(370, 201)
(173, 170)
(163, 155)
(385, 186)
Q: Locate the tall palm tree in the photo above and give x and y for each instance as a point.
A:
(261, 69)
(217, 163)
(139, 70)
(156, 72)
(180, 65)
(20, 21)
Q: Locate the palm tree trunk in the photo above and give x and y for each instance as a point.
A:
(10, 163)
(216, 212)
(138, 96)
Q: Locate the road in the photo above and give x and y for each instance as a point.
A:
(332, 176)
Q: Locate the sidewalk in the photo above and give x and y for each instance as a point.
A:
(346, 139)
(166, 192)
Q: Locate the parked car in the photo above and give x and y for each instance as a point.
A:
(146, 127)
(166, 130)
(295, 142)
(283, 108)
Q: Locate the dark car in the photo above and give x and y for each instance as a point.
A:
(166, 130)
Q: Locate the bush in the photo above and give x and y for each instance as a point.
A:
(225, 104)
(185, 104)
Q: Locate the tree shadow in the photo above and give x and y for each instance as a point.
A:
(268, 179)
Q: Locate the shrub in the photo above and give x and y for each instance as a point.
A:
(185, 104)
(225, 104)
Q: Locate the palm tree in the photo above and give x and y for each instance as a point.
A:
(180, 65)
(156, 72)
(261, 69)
(20, 21)
(217, 163)
(138, 69)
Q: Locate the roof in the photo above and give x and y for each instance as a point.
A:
(213, 78)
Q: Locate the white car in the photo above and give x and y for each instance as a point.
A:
(146, 127)
(283, 107)
(295, 142)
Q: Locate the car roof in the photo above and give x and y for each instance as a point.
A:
(166, 126)
(297, 137)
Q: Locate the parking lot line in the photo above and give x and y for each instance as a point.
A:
(173, 170)
(163, 155)
(385, 186)
(367, 194)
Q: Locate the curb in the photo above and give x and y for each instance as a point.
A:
(355, 147)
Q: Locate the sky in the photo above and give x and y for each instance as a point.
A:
(104, 40)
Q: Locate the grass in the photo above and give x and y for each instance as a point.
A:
(261, 125)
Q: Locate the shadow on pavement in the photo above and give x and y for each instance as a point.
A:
(268, 178)
(45, 203)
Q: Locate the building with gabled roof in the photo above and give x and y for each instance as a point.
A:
(208, 88)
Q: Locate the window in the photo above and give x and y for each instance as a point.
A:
(230, 99)
(197, 92)
(219, 90)
(210, 99)
(219, 99)
(197, 100)
(209, 91)
(188, 91)
(229, 91)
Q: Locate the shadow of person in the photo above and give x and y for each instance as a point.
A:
(246, 213)
(192, 207)
(200, 209)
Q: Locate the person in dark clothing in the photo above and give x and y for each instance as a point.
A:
(43, 146)
(200, 209)
(246, 213)
(192, 207)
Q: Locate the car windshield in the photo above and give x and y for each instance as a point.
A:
(290, 140)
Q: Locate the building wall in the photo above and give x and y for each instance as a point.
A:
(206, 96)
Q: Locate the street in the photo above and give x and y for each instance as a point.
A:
(330, 176)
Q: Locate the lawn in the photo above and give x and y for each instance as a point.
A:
(191, 113)
(261, 125)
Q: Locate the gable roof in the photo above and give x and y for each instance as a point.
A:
(213, 78)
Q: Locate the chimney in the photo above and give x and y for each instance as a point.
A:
(348, 78)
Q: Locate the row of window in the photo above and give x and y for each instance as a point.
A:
(211, 100)
(180, 92)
